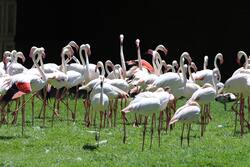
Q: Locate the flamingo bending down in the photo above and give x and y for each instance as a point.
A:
(187, 114)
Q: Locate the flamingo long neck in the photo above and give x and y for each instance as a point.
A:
(122, 60)
(101, 96)
(216, 66)
(87, 64)
(213, 80)
(190, 73)
(157, 63)
(139, 54)
(100, 65)
(63, 62)
(81, 57)
(108, 64)
(205, 63)
(174, 64)
(38, 68)
(215, 61)
(184, 79)
(246, 58)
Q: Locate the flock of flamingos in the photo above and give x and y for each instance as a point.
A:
(144, 90)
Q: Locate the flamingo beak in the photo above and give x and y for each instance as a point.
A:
(150, 52)
(165, 51)
(221, 61)
(130, 62)
(238, 61)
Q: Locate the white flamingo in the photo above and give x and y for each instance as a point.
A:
(205, 76)
(187, 114)
(14, 67)
(147, 104)
(204, 96)
(99, 103)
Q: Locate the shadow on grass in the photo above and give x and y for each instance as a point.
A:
(90, 147)
(7, 137)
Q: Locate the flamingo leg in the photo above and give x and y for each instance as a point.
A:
(104, 119)
(15, 113)
(124, 127)
(152, 130)
(23, 114)
(115, 111)
(234, 108)
(101, 115)
(202, 120)
(188, 134)
(32, 111)
(166, 112)
(242, 114)
(75, 107)
(44, 104)
(136, 124)
(182, 132)
(248, 113)
(144, 132)
(159, 128)
(110, 112)
(67, 106)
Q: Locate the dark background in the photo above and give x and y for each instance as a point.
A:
(200, 29)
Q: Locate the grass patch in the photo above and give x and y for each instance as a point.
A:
(72, 145)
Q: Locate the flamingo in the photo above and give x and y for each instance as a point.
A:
(204, 96)
(205, 76)
(25, 83)
(89, 69)
(122, 56)
(116, 70)
(245, 68)
(146, 104)
(187, 114)
(14, 67)
(239, 84)
(99, 102)
(4, 64)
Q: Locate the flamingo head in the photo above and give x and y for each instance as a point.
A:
(131, 62)
(175, 64)
(68, 51)
(88, 49)
(239, 55)
(193, 65)
(6, 54)
(220, 57)
(73, 44)
(161, 48)
(20, 55)
(150, 52)
(32, 50)
(137, 42)
(187, 56)
(121, 38)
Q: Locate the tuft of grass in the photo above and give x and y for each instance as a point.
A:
(73, 145)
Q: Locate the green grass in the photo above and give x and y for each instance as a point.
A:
(72, 145)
